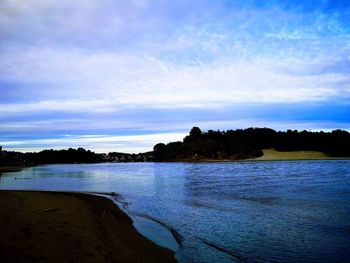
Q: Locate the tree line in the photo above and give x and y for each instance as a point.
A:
(248, 143)
(209, 145)
(79, 155)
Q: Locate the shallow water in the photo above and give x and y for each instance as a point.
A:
(290, 211)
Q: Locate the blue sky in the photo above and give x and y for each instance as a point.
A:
(114, 75)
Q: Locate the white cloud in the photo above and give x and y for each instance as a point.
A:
(104, 82)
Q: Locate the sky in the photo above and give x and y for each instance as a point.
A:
(117, 75)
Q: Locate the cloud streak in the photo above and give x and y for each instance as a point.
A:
(128, 80)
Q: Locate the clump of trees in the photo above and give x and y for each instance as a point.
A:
(248, 143)
(79, 155)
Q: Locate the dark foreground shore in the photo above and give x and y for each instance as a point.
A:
(70, 227)
(7, 169)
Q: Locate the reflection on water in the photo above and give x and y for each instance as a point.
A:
(291, 211)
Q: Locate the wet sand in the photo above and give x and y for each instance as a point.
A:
(70, 227)
(7, 169)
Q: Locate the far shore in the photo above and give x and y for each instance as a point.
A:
(268, 155)
(70, 227)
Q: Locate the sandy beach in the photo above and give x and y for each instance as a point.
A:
(273, 155)
(70, 227)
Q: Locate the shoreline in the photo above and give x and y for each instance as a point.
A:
(70, 227)
(258, 159)
(272, 155)
(9, 169)
(268, 155)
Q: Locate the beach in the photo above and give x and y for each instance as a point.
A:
(273, 155)
(70, 227)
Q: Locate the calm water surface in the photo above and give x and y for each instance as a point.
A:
(290, 211)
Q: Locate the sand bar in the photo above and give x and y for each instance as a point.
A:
(70, 227)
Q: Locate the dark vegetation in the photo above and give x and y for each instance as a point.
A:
(248, 143)
(80, 155)
(200, 146)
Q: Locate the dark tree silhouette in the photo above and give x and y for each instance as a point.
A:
(195, 132)
(248, 143)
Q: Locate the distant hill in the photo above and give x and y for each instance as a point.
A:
(249, 143)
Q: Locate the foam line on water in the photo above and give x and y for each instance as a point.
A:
(224, 250)
(177, 236)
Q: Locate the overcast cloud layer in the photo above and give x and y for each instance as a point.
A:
(123, 75)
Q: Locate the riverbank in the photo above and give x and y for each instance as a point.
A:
(70, 227)
(268, 155)
(7, 169)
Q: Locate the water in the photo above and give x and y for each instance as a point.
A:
(290, 211)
